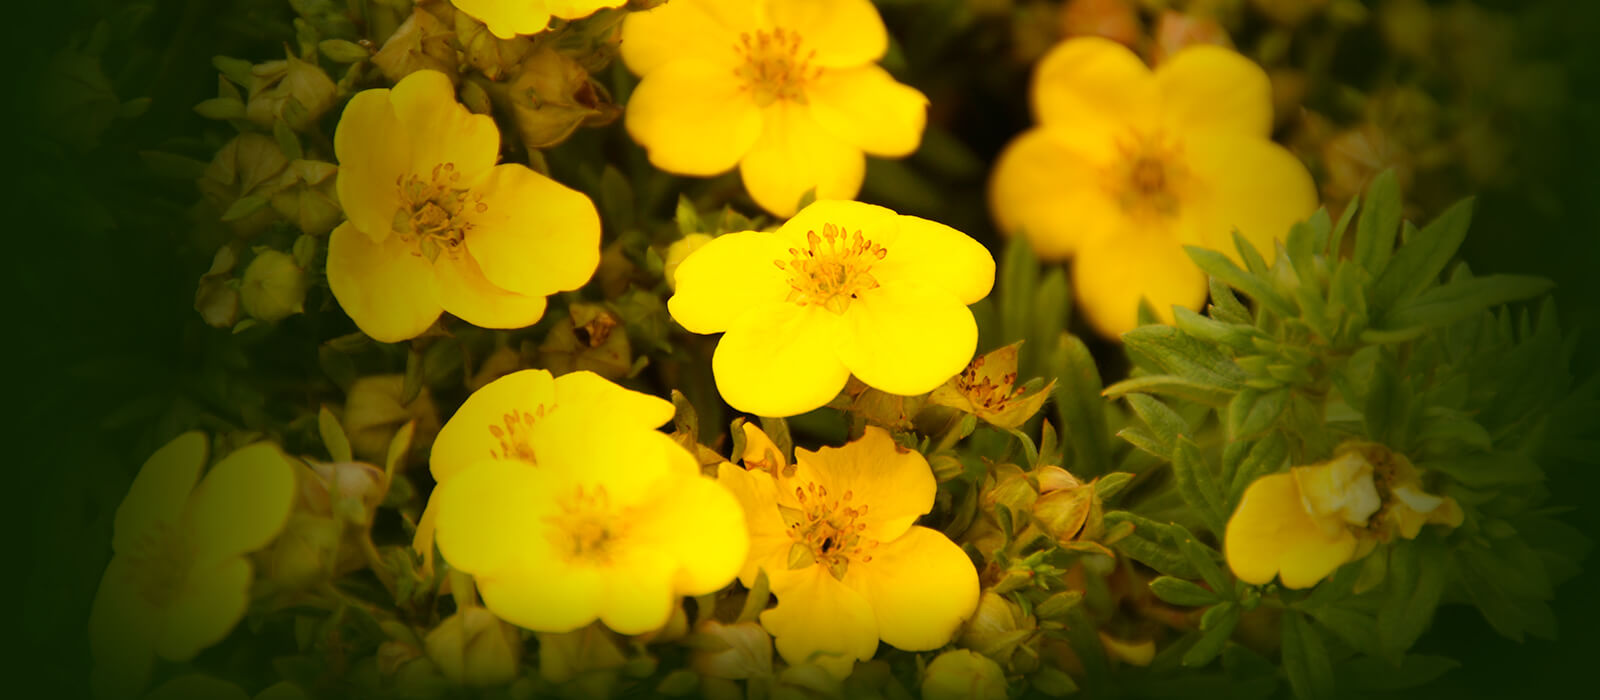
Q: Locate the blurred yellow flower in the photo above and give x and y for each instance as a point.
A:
(1303, 524)
(179, 580)
(834, 535)
(787, 90)
(508, 18)
(565, 504)
(1126, 166)
(842, 288)
(434, 225)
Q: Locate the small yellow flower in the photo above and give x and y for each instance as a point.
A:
(787, 90)
(508, 18)
(434, 225)
(566, 505)
(834, 535)
(179, 580)
(1303, 524)
(842, 288)
(1128, 165)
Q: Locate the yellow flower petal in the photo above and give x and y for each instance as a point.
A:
(1092, 80)
(706, 29)
(441, 130)
(906, 338)
(1110, 277)
(461, 289)
(1271, 533)
(205, 609)
(507, 19)
(873, 221)
(492, 517)
(700, 526)
(1211, 87)
(536, 236)
(779, 360)
(769, 538)
(639, 591)
(921, 588)
(795, 155)
(818, 618)
(594, 397)
(468, 437)
(936, 256)
(373, 151)
(241, 504)
(545, 596)
(726, 277)
(844, 33)
(1251, 184)
(631, 465)
(122, 629)
(867, 108)
(1048, 185)
(578, 9)
(160, 490)
(895, 483)
(382, 286)
(692, 118)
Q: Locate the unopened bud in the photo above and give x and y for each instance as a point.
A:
(373, 412)
(276, 86)
(307, 198)
(747, 652)
(274, 286)
(246, 170)
(422, 42)
(960, 674)
(304, 553)
(474, 648)
(217, 297)
(1011, 489)
(998, 627)
(553, 95)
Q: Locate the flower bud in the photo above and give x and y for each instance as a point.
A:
(304, 554)
(372, 414)
(1011, 488)
(748, 652)
(553, 96)
(294, 90)
(490, 54)
(960, 674)
(274, 286)
(248, 166)
(307, 198)
(217, 297)
(474, 648)
(1053, 478)
(565, 656)
(676, 253)
(352, 490)
(422, 42)
(998, 627)
(590, 338)
(1063, 512)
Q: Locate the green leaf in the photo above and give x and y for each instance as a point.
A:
(1051, 307)
(616, 200)
(1356, 629)
(1305, 660)
(1419, 261)
(333, 436)
(1171, 385)
(1252, 411)
(1370, 674)
(687, 216)
(220, 108)
(1017, 282)
(1266, 456)
(1248, 253)
(1336, 237)
(1219, 266)
(1202, 558)
(1417, 571)
(1165, 424)
(1217, 629)
(288, 142)
(342, 51)
(1460, 299)
(1107, 487)
(1171, 351)
(1180, 592)
(1234, 335)
(1378, 224)
(1145, 440)
(244, 206)
(1302, 247)
(1197, 483)
(1082, 410)
(1151, 544)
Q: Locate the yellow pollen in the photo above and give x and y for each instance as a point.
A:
(434, 211)
(161, 559)
(827, 531)
(774, 66)
(514, 435)
(1148, 179)
(586, 529)
(833, 269)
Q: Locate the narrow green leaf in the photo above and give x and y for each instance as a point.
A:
(1214, 636)
(687, 216)
(288, 141)
(1417, 264)
(1165, 424)
(1017, 282)
(1171, 385)
(1336, 237)
(1171, 351)
(1107, 487)
(1253, 261)
(1197, 483)
(1081, 408)
(1359, 630)
(1219, 266)
(1449, 303)
(1146, 440)
(1234, 335)
(244, 206)
(1252, 411)
(1305, 660)
(1202, 558)
(1180, 592)
(1378, 224)
(221, 108)
(333, 437)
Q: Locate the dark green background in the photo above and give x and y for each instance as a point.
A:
(99, 281)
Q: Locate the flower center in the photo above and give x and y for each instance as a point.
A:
(774, 66)
(433, 209)
(826, 530)
(515, 433)
(160, 561)
(833, 268)
(1148, 178)
(984, 393)
(586, 529)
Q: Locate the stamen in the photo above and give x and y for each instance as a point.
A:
(833, 269)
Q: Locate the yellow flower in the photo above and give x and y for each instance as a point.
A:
(787, 90)
(179, 580)
(834, 534)
(508, 18)
(1128, 165)
(842, 288)
(566, 505)
(436, 226)
(1303, 524)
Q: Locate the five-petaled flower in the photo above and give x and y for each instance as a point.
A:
(566, 505)
(787, 90)
(1128, 165)
(1303, 524)
(842, 288)
(179, 579)
(508, 18)
(434, 225)
(834, 534)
